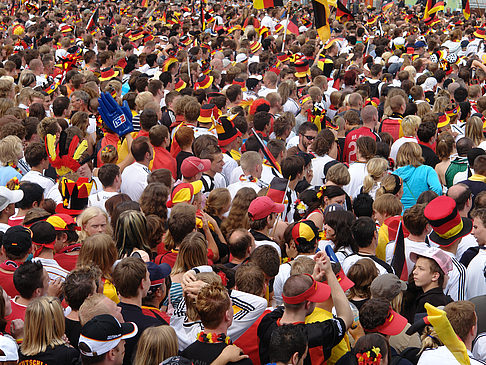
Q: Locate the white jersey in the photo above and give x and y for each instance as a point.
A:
(382, 266)
(442, 355)
(318, 164)
(456, 285)
(357, 171)
(134, 180)
(99, 199)
(36, 177)
(247, 308)
(476, 282)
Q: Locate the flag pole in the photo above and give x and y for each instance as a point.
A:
(189, 68)
(285, 31)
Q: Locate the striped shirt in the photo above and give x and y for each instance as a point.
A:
(456, 285)
(54, 270)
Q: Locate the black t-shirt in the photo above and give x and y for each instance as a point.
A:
(203, 353)
(181, 156)
(325, 334)
(430, 158)
(62, 354)
(73, 330)
(133, 313)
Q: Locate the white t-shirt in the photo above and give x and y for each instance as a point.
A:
(134, 180)
(358, 171)
(229, 166)
(442, 355)
(235, 187)
(351, 259)
(264, 91)
(318, 164)
(268, 173)
(36, 177)
(99, 199)
(476, 282)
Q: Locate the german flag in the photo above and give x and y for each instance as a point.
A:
(277, 189)
(321, 19)
(264, 4)
(93, 21)
(386, 7)
(372, 20)
(293, 26)
(438, 6)
(428, 5)
(342, 11)
(399, 263)
(144, 3)
(466, 10)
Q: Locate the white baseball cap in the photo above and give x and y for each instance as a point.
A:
(8, 196)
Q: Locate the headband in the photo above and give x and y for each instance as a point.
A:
(300, 298)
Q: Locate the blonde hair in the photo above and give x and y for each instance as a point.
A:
(10, 150)
(388, 185)
(338, 174)
(99, 250)
(81, 120)
(409, 153)
(208, 278)
(155, 345)
(376, 168)
(142, 99)
(388, 204)
(93, 306)
(88, 214)
(218, 199)
(440, 104)
(109, 154)
(474, 130)
(192, 253)
(422, 109)
(410, 125)
(249, 160)
(429, 339)
(44, 326)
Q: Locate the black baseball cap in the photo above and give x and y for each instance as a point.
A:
(103, 333)
(43, 233)
(17, 241)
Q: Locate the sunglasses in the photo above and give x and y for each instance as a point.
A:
(310, 138)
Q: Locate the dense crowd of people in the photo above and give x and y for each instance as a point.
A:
(214, 183)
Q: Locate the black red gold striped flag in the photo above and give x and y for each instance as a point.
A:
(343, 11)
(293, 26)
(466, 10)
(264, 4)
(321, 19)
(277, 189)
(438, 6)
(399, 263)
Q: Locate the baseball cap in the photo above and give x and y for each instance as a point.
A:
(61, 221)
(103, 333)
(387, 286)
(184, 193)
(9, 349)
(158, 272)
(192, 165)
(436, 254)
(393, 325)
(316, 293)
(305, 232)
(333, 208)
(43, 234)
(8, 196)
(17, 240)
(262, 207)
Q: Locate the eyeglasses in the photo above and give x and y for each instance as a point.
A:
(310, 138)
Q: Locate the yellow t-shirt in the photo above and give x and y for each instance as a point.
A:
(109, 291)
(321, 315)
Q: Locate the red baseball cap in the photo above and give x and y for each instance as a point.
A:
(262, 207)
(317, 293)
(191, 166)
(394, 324)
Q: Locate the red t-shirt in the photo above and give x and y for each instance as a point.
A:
(350, 147)
(248, 341)
(164, 160)
(18, 312)
(168, 257)
(68, 256)
(7, 270)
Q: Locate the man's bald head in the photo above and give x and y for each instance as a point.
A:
(461, 195)
(369, 115)
(355, 101)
